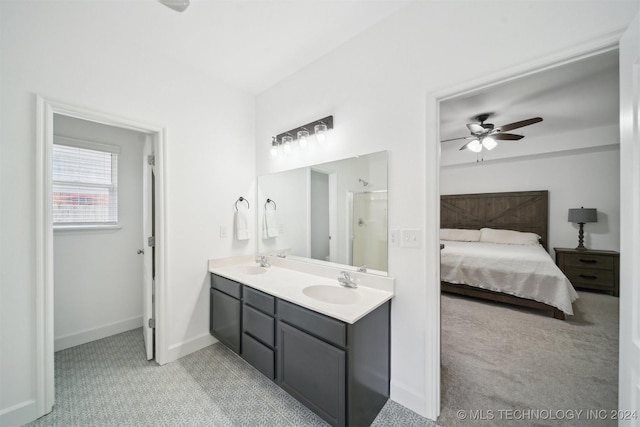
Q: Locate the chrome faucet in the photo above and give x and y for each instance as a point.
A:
(362, 269)
(264, 262)
(345, 280)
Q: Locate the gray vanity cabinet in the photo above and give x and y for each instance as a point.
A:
(338, 370)
(313, 371)
(225, 311)
(259, 328)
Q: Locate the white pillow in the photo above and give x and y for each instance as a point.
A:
(508, 237)
(459, 234)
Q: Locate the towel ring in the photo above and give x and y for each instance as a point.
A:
(269, 201)
(241, 199)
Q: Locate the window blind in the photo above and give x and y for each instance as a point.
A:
(85, 190)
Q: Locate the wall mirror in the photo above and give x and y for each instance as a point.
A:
(333, 212)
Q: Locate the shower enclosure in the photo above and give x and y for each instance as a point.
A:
(368, 223)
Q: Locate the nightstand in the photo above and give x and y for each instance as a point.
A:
(590, 269)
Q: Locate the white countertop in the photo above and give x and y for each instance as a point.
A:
(287, 280)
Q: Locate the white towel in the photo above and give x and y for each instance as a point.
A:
(269, 224)
(241, 224)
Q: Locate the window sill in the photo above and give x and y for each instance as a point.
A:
(93, 227)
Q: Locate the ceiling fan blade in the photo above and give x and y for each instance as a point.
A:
(507, 137)
(465, 145)
(457, 139)
(519, 124)
(475, 128)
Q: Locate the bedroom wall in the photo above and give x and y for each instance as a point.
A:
(589, 178)
(375, 86)
(85, 54)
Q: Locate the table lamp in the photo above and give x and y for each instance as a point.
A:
(580, 216)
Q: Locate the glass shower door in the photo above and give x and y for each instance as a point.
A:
(369, 230)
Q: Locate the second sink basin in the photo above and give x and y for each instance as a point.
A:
(331, 294)
(251, 269)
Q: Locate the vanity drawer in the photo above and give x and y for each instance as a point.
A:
(589, 261)
(259, 325)
(317, 324)
(260, 300)
(259, 356)
(227, 286)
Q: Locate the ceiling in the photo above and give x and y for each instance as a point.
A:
(250, 44)
(575, 96)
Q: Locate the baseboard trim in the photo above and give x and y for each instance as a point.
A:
(192, 345)
(407, 398)
(88, 335)
(19, 414)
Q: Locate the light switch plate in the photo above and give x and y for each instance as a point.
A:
(411, 238)
(394, 238)
(224, 231)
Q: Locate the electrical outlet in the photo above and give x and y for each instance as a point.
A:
(411, 238)
(224, 231)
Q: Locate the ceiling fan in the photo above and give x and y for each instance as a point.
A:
(485, 135)
(177, 5)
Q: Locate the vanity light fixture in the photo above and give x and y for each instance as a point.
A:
(303, 138)
(285, 142)
(321, 132)
(274, 147)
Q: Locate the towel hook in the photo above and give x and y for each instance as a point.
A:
(241, 199)
(272, 202)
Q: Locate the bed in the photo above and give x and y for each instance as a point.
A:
(519, 274)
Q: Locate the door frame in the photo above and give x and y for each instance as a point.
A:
(432, 380)
(44, 286)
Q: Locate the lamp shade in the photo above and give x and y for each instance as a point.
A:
(583, 215)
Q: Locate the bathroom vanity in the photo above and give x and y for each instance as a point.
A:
(325, 344)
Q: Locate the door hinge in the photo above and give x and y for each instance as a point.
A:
(152, 323)
(151, 241)
(151, 159)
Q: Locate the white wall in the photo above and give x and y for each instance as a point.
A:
(375, 86)
(290, 192)
(97, 273)
(70, 52)
(589, 178)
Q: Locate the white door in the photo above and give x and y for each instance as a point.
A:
(629, 367)
(148, 228)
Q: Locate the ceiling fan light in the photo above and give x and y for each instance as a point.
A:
(475, 146)
(489, 143)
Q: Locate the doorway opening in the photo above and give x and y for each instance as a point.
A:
(153, 219)
(460, 178)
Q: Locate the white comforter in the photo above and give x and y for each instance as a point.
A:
(525, 271)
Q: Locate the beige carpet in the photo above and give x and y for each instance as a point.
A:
(503, 365)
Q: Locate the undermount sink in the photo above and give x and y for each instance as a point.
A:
(251, 269)
(331, 294)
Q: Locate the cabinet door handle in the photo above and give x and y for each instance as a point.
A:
(588, 261)
(588, 276)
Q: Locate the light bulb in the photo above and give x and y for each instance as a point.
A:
(489, 143)
(321, 132)
(286, 141)
(274, 147)
(475, 146)
(303, 136)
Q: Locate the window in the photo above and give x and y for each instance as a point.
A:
(85, 183)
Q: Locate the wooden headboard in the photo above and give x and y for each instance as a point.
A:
(519, 210)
